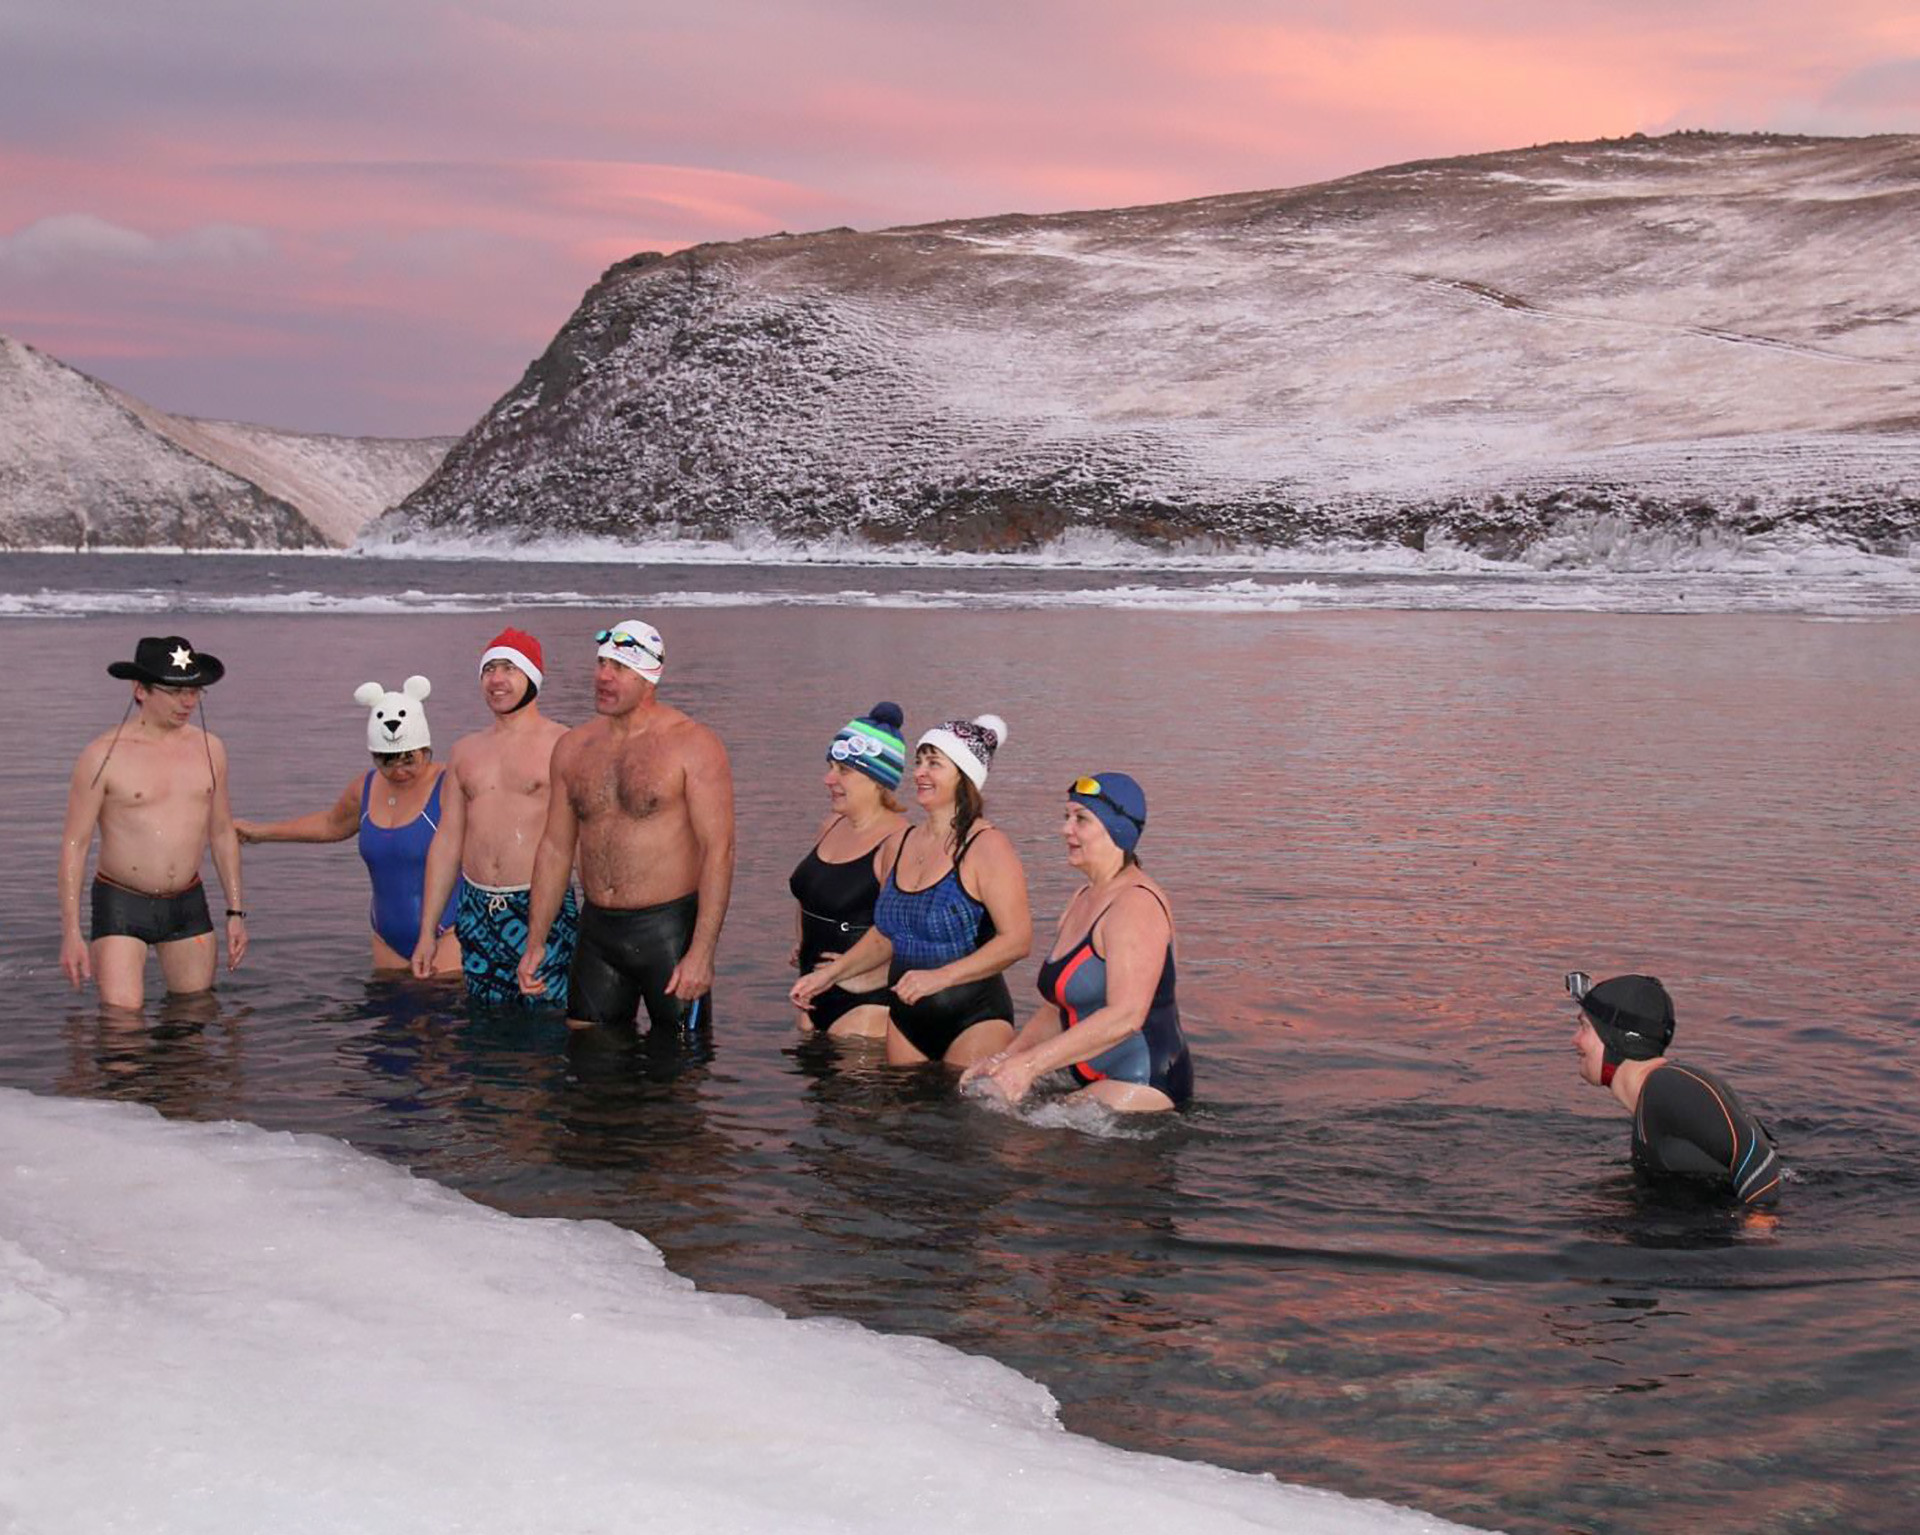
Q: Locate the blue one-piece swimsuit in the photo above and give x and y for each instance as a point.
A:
(396, 859)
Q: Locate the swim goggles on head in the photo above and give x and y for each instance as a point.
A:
(1089, 788)
(621, 640)
(1579, 983)
(856, 746)
(397, 759)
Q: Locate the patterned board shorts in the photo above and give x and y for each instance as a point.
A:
(492, 927)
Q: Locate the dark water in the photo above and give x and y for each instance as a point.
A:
(1394, 1251)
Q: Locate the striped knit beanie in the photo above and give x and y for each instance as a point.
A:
(873, 744)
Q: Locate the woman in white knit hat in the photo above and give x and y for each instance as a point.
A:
(395, 808)
(952, 913)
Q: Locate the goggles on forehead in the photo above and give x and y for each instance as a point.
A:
(621, 640)
(1089, 788)
(398, 759)
(848, 748)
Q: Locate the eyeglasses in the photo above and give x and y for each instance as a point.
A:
(621, 640)
(1089, 788)
(385, 760)
(852, 747)
(1579, 983)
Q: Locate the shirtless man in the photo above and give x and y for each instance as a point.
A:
(156, 789)
(493, 804)
(645, 795)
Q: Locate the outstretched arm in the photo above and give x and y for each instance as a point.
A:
(334, 824)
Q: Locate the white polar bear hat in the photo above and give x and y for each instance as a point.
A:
(398, 723)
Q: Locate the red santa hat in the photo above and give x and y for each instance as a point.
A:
(519, 647)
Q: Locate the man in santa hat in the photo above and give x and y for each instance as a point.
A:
(493, 805)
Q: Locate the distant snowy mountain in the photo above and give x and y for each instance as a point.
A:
(83, 465)
(1702, 337)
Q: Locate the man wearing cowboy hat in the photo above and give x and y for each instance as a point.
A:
(155, 788)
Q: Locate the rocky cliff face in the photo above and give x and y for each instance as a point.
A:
(1710, 334)
(83, 465)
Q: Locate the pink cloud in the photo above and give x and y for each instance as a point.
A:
(368, 219)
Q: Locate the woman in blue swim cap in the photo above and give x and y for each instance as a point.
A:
(1110, 1019)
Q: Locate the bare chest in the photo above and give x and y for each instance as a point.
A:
(146, 779)
(510, 775)
(634, 780)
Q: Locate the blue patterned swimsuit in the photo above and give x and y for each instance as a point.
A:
(929, 928)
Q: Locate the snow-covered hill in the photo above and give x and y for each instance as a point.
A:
(83, 465)
(1712, 335)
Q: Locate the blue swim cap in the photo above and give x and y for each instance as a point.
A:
(873, 744)
(1117, 802)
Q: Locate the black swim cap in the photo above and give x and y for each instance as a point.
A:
(1633, 1015)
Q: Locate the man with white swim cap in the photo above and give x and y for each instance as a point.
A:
(643, 795)
(493, 808)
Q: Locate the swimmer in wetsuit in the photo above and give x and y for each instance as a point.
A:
(951, 915)
(394, 810)
(838, 881)
(644, 795)
(1688, 1125)
(1111, 1020)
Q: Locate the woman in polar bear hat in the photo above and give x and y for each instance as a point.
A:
(395, 808)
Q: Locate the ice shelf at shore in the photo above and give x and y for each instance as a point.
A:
(213, 1327)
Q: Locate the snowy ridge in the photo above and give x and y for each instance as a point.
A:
(1703, 334)
(84, 465)
(212, 1327)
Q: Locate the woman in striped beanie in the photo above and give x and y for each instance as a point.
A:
(952, 912)
(837, 882)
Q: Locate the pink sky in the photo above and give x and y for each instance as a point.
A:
(367, 216)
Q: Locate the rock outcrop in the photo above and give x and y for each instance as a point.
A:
(1709, 334)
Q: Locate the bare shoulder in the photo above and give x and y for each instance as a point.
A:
(1144, 904)
(699, 744)
(571, 743)
(467, 750)
(990, 842)
(93, 754)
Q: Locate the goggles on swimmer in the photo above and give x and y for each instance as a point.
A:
(1089, 788)
(852, 748)
(398, 759)
(620, 639)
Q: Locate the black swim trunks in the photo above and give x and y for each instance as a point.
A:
(623, 960)
(122, 913)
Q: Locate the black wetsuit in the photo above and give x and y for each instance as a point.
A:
(122, 913)
(1691, 1125)
(624, 958)
(836, 909)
